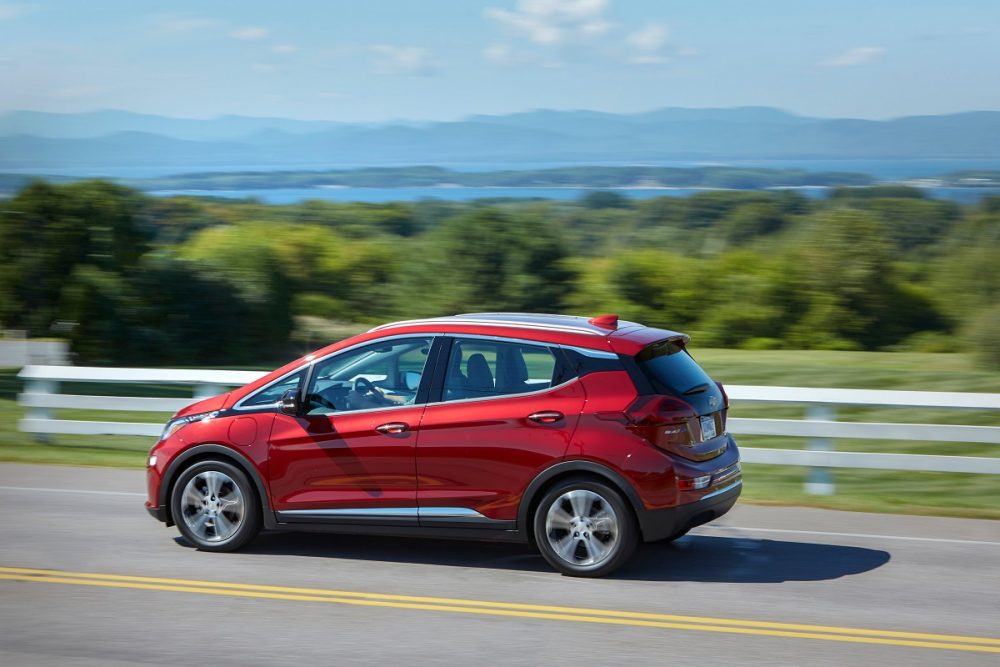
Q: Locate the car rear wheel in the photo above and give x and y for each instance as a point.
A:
(584, 528)
(215, 506)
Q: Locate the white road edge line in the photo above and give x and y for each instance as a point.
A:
(786, 531)
(861, 535)
(87, 491)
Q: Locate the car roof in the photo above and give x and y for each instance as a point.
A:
(542, 321)
(606, 333)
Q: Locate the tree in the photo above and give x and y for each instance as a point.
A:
(46, 231)
(488, 260)
(853, 295)
(245, 257)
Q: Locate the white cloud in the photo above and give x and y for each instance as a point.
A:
(284, 48)
(179, 23)
(553, 22)
(504, 55)
(648, 59)
(12, 11)
(403, 60)
(856, 56)
(650, 45)
(649, 39)
(499, 54)
(249, 33)
(264, 68)
(687, 52)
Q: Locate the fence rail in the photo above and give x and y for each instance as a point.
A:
(820, 426)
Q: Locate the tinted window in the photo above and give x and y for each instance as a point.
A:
(380, 375)
(272, 394)
(671, 370)
(482, 368)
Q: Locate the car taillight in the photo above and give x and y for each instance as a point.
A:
(663, 421)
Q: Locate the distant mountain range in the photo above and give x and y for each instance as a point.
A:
(115, 139)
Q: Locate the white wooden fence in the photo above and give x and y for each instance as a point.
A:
(820, 426)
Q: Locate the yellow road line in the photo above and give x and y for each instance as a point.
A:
(506, 605)
(574, 614)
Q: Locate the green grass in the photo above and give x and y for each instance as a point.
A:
(944, 494)
(947, 494)
(113, 451)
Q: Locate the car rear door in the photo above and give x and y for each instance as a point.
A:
(503, 411)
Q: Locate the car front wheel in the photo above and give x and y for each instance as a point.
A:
(215, 507)
(584, 528)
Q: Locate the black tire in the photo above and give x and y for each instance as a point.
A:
(581, 555)
(215, 525)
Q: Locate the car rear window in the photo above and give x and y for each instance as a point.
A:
(671, 370)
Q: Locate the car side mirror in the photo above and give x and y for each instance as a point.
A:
(412, 380)
(289, 403)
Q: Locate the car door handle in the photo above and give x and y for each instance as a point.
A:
(393, 428)
(546, 417)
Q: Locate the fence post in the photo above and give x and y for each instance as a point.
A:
(207, 390)
(820, 481)
(37, 386)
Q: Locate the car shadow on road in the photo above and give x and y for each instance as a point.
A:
(748, 560)
(704, 558)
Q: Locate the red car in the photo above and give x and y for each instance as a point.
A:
(581, 436)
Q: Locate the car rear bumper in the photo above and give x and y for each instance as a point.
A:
(660, 524)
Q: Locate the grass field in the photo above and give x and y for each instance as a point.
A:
(862, 490)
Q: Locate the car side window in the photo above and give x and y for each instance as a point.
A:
(479, 368)
(378, 375)
(271, 394)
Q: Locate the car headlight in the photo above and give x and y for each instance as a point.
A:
(175, 425)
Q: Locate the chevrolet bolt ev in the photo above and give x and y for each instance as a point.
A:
(580, 436)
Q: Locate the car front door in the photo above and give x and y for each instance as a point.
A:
(350, 454)
(506, 411)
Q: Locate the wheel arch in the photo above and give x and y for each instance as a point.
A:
(552, 475)
(215, 451)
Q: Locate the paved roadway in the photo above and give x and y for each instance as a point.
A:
(750, 590)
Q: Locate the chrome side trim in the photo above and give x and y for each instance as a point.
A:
(500, 396)
(265, 406)
(724, 489)
(588, 352)
(449, 512)
(239, 404)
(401, 512)
(389, 512)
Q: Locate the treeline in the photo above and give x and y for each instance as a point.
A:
(736, 178)
(131, 279)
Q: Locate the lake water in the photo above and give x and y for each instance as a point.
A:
(884, 170)
(888, 170)
(378, 195)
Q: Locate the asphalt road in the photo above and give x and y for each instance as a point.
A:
(88, 578)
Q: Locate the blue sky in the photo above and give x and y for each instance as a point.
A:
(376, 60)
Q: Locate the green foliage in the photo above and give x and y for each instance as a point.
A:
(133, 279)
(47, 231)
(605, 199)
(984, 337)
(488, 260)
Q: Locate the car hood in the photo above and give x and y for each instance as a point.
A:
(205, 405)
